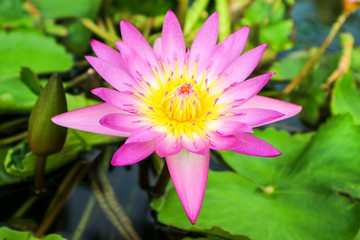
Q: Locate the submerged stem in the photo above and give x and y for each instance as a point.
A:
(13, 139)
(85, 218)
(105, 195)
(27, 204)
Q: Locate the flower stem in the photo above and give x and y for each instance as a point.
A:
(304, 71)
(162, 182)
(39, 174)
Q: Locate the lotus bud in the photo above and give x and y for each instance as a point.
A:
(45, 137)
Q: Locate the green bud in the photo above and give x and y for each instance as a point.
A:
(45, 137)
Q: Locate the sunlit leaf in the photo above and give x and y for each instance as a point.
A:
(65, 8)
(15, 96)
(32, 49)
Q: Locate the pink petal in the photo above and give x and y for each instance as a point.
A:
(166, 145)
(189, 172)
(256, 116)
(194, 144)
(107, 53)
(240, 37)
(136, 65)
(121, 121)
(243, 66)
(205, 40)
(225, 127)
(218, 59)
(250, 145)
(122, 100)
(288, 109)
(221, 143)
(87, 119)
(115, 76)
(130, 153)
(172, 38)
(135, 39)
(142, 134)
(245, 90)
(158, 48)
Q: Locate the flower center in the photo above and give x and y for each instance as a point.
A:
(182, 103)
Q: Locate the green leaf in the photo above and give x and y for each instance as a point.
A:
(222, 7)
(32, 49)
(30, 79)
(277, 35)
(291, 197)
(266, 170)
(331, 158)
(15, 96)
(66, 8)
(7, 233)
(346, 97)
(270, 21)
(193, 14)
(264, 12)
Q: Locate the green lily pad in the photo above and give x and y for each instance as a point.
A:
(32, 49)
(291, 197)
(346, 97)
(66, 8)
(15, 96)
(7, 233)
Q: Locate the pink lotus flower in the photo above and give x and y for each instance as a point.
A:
(180, 103)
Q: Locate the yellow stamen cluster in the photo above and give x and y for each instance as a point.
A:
(180, 103)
